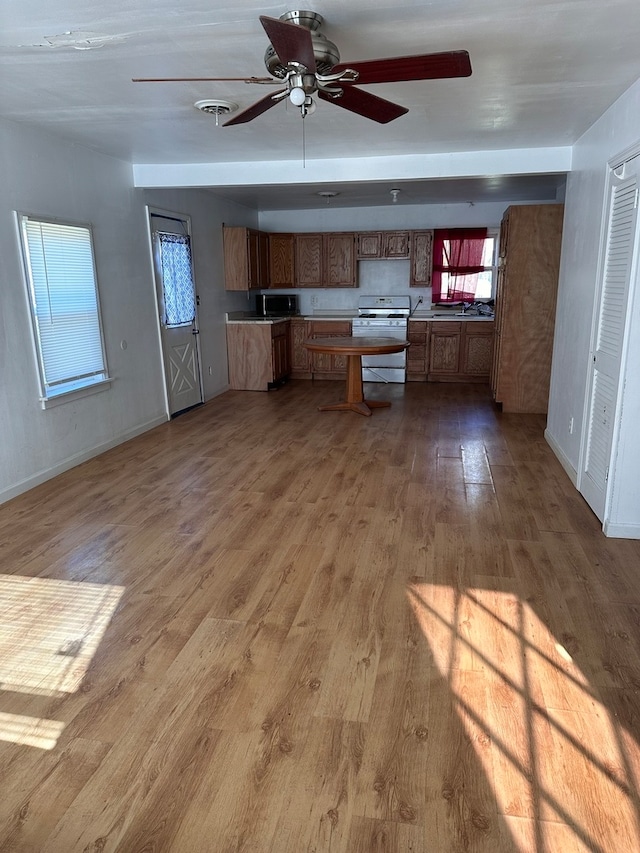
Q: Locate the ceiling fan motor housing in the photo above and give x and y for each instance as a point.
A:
(325, 52)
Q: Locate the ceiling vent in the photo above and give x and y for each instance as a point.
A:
(216, 108)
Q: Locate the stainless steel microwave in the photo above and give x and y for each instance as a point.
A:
(276, 305)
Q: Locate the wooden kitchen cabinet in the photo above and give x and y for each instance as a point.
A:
(326, 260)
(282, 260)
(421, 259)
(417, 354)
(300, 356)
(246, 258)
(460, 351)
(258, 355)
(529, 248)
(476, 350)
(444, 349)
(328, 365)
(383, 244)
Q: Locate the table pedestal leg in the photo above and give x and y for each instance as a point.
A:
(355, 401)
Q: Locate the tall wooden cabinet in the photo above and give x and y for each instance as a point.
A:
(530, 239)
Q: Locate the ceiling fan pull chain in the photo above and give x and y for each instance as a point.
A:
(304, 160)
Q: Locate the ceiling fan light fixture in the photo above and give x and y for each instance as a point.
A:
(297, 96)
(309, 107)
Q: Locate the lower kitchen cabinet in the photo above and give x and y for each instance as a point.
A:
(460, 351)
(476, 351)
(258, 355)
(444, 349)
(326, 365)
(300, 356)
(417, 361)
(449, 351)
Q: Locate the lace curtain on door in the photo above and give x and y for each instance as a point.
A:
(177, 279)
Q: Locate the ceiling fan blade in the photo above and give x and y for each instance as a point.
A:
(430, 66)
(206, 79)
(291, 42)
(365, 104)
(256, 109)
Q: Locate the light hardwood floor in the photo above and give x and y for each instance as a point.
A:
(261, 628)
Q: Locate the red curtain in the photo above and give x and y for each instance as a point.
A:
(458, 252)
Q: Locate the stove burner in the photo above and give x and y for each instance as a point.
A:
(368, 315)
(394, 316)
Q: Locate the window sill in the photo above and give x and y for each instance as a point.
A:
(77, 394)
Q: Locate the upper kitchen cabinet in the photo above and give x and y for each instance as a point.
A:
(325, 260)
(530, 238)
(421, 258)
(282, 256)
(383, 244)
(246, 258)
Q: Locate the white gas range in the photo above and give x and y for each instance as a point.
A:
(384, 317)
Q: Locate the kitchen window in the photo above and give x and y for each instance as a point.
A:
(65, 311)
(464, 263)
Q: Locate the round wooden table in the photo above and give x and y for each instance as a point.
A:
(354, 349)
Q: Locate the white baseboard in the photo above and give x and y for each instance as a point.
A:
(77, 459)
(621, 531)
(570, 471)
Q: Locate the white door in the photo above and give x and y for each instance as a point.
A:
(177, 304)
(606, 357)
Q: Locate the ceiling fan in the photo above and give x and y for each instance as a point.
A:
(308, 64)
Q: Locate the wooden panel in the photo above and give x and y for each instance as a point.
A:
(383, 244)
(309, 260)
(330, 366)
(281, 360)
(444, 348)
(246, 256)
(417, 354)
(236, 260)
(300, 365)
(249, 353)
(281, 260)
(477, 348)
(340, 260)
(369, 245)
(421, 258)
(526, 306)
(395, 244)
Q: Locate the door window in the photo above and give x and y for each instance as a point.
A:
(178, 291)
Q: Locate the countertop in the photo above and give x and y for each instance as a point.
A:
(436, 315)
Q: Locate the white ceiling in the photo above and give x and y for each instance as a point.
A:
(543, 72)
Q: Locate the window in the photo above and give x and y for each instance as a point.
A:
(63, 297)
(463, 264)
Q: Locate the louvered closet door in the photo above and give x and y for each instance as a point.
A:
(607, 355)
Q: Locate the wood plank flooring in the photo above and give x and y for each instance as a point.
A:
(261, 628)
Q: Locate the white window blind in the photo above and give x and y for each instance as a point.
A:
(64, 304)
